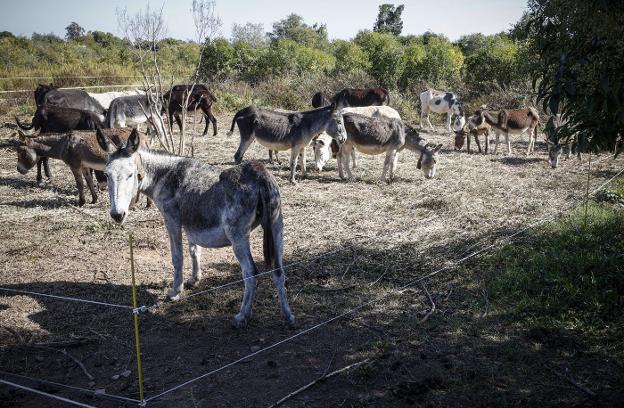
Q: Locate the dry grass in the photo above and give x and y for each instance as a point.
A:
(390, 234)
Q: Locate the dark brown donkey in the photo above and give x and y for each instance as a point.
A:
(361, 97)
(78, 149)
(201, 98)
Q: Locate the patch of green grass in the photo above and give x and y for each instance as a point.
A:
(567, 275)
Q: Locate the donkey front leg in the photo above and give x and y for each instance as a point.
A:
(353, 158)
(249, 272)
(508, 141)
(294, 155)
(177, 258)
(245, 142)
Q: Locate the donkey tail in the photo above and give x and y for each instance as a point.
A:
(24, 127)
(236, 116)
(271, 221)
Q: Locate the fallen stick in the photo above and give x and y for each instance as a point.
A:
(321, 378)
(78, 362)
(433, 306)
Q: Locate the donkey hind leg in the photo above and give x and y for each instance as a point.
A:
(249, 272)
(195, 252)
(175, 241)
(393, 164)
(86, 172)
(279, 276)
(353, 158)
(386, 166)
(497, 134)
(39, 176)
(508, 141)
(245, 142)
(302, 157)
(77, 172)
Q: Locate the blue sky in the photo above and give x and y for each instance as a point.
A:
(344, 18)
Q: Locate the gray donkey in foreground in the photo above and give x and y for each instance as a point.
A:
(214, 208)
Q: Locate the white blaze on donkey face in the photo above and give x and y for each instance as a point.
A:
(123, 178)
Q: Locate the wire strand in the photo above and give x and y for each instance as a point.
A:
(377, 299)
(72, 388)
(72, 299)
(45, 394)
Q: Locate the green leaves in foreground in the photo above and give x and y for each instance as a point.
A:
(565, 275)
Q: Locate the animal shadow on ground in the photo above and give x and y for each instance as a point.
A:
(22, 183)
(443, 359)
(518, 161)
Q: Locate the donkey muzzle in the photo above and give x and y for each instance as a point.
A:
(118, 217)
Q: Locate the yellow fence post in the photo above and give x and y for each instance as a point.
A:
(135, 314)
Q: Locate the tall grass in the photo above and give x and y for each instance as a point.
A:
(567, 275)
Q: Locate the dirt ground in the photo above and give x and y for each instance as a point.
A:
(351, 242)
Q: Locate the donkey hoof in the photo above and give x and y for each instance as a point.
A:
(81, 202)
(193, 282)
(291, 321)
(174, 295)
(239, 321)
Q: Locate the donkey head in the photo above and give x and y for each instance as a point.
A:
(336, 128)
(124, 173)
(27, 157)
(460, 138)
(427, 161)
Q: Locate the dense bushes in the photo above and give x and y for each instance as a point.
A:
(285, 67)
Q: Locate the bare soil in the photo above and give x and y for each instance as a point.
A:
(351, 241)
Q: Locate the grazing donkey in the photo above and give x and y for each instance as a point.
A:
(509, 121)
(468, 130)
(78, 149)
(439, 102)
(325, 147)
(384, 135)
(51, 118)
(214, 208)
(286, 130)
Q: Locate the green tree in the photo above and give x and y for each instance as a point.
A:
(293, 28)
(249, 33)
(492, 58)
(74, 31)
(389, 19)
(385, 54)
(218, 60)
(577, 68)
(350, 58)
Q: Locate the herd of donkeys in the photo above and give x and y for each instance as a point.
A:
(97, 133)
(66, 119)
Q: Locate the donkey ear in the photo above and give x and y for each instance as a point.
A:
(104, 141)
(333, 106)
(133, 142)
(419, 164)
(438, 147)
